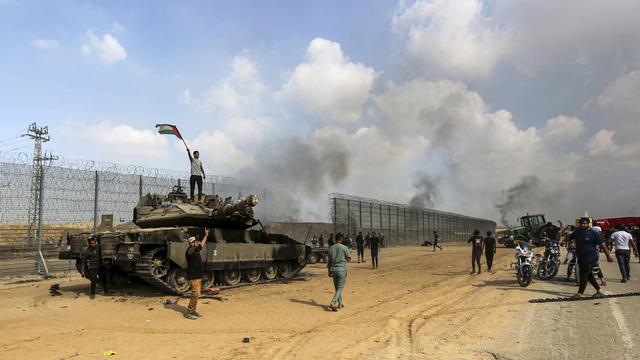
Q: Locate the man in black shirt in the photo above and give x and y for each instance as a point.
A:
(436, 241)
(374, 244)
(195, 271)
(586, 241)
(92, 268)
(489, 249)
(476, 254)
(360, 246)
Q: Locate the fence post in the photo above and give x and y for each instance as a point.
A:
(95, 202)
(335, 215)
(140, 187)
(41, 260)
(348, 217)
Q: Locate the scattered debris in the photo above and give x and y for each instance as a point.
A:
(54, 290)
(150, 309)
(63, 307)
(246, 340)
(121, 300)
(110, 353)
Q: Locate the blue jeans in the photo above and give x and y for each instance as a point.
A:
(339, 279)
(624, 257)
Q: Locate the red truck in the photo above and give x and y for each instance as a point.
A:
(612, 223)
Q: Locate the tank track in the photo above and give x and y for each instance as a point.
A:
(558, 299)
(143, 271)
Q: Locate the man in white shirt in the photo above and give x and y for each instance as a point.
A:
(623, 240)
(197, 174)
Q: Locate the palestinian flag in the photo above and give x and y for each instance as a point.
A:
(169, 129)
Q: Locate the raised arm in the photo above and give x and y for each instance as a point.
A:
(205, 237)
(189, 152)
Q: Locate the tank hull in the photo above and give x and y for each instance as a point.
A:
(231, 257)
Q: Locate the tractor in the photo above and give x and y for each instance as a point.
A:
(533, 229)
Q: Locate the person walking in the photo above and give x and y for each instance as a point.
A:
(92, 267)
(586, 241)
(476, 251)
(360, 247)
(489, 249)
(623, 241)
(436, 241)
(339, 256)
(636, 235)
(374, 245)
(197, 175)
(195, 271)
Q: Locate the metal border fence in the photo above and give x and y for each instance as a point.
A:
(401, 224)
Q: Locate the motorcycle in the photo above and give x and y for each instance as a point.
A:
(524, 263)
(549, 265)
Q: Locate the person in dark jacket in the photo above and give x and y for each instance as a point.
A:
(374, 245)
(476, 253)
(195, 271)
(436, 241)
(92, 268)
(360, 246)
(586, 241)
(489, 249)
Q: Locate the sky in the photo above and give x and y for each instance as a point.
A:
(486, 108)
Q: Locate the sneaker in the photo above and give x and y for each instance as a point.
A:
(92, 296)
(623, 280)
(603, 282)
(333, 307)
(196, 314)
(190, 316)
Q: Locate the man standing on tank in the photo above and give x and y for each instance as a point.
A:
(374, 245)
(337, 265)
(476, 253)
(195, 271)
(197, 174)
(489, 249)
(92, 267)
(587, 255)
(360, 246)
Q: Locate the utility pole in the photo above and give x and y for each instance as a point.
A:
(38, 135)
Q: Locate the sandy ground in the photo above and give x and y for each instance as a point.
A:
(418, 305)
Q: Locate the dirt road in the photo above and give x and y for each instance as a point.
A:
(418, 305)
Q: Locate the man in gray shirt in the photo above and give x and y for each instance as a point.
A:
(337, 266)
(197, 174)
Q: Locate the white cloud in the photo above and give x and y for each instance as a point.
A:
(107, 48)
(237, 93)
(44, 43)
(219, 153)
(121, 141)
(563, 127)
(601, 143)
(327, 85)
(451, 37)
(186, 98)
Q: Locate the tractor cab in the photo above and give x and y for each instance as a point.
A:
(533, 222)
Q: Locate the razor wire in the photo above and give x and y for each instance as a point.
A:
(70, 188)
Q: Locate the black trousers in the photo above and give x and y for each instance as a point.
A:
(489, 256)
(624, 257)
(98, 275)
(374, 258)
(475, 259)
(193, 181)
(586, 274)
(435, 244)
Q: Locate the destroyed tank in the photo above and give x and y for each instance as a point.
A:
(154, 250)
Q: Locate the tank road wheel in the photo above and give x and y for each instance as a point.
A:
(252, 275)
(178, 280)
(270, 272)
(312, 259)
(284, 270)
(207, 280)
(231, 277)
(159, 266)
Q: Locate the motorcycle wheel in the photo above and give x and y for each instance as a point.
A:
(547, 270)
(524, 276)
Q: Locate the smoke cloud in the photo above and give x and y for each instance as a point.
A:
(427, 191)
(519, 197)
